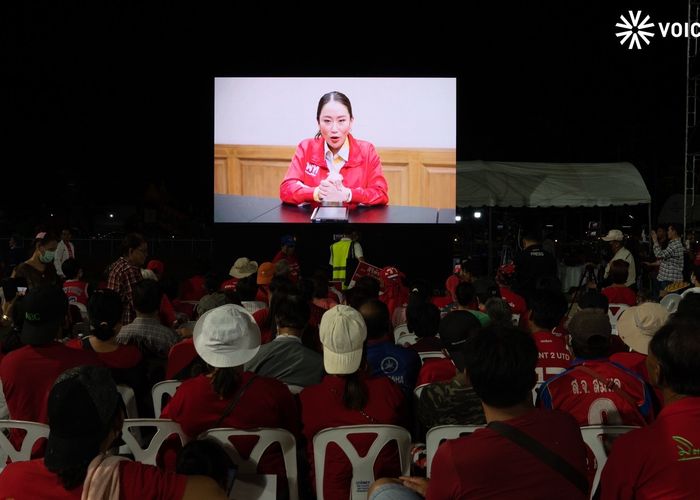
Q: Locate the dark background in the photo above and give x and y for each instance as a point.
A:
(109, 109)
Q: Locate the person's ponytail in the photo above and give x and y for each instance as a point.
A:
(355, 395)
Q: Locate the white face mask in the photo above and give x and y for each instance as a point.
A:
(47, 256)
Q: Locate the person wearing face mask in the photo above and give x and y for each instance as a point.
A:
(334, 166)
(39, 270)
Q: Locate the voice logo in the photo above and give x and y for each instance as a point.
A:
(635, 30)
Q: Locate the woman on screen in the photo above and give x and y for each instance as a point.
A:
(334, 166)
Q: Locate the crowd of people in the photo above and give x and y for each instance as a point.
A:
(273, 345)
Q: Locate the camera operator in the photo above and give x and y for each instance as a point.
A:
(615, 238)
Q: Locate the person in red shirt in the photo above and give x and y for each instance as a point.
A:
(661, 460)
(347, 396)
(618, 292)
(594, 390)
(74, 287)
(334, 166)
(501, 364)
(518, 306)
(546, 309)
(462, 272)
(289, 244)
(226, 338)
(28, 373)
(242, 268)
(85, 418)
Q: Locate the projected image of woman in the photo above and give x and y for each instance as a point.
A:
(334, 166)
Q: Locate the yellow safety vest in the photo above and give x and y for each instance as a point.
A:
(339, 257)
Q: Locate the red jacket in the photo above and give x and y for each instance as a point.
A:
(362, 173)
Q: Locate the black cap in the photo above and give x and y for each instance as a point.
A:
(455, 330)
(45, 311)
(82, 408)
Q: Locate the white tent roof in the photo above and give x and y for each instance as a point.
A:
(509, 184)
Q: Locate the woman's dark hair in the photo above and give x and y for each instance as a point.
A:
(676, 346)
(131, 242)
(619, 271)
(247, 287)
(593, 299)
(147, 296)
(206, 457)
(355, 395)
(332, 96)
(548, 308)
(369, 284)
(423, 319)
(501, 363)
(465, 293)
(689, 306)
(70, 268)
(291, 311)
(226, 381)
(105, 311)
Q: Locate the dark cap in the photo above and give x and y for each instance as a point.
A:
(82, 408)
(485, 288)
(45, 310)
(588, 323)
(455, 330)
(288, 240)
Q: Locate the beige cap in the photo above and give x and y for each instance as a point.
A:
(343, 333)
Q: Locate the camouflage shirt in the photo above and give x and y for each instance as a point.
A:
(449, 403)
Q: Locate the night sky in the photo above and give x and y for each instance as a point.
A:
(98, 103)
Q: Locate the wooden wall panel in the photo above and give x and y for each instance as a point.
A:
(416, 177)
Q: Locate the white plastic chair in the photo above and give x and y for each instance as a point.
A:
(294, 389)
(436, 435)
(399, 331)
(418, 390)
(670, 302)
(407, 339)
(362, 467)
(614, 313)
(164, 429)
(695, 289)
(161, 389)
(35, 431)
(515, 318)
(129, 398)
(82, 308)
(594, 436)
(268, 436)
(536, 391)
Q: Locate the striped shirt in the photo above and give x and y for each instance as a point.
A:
(149, 335)
(671, 268)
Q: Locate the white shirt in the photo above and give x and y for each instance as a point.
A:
(624, 254)
(62, 254)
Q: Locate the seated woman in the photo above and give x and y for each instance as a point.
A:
(618, 292)
(347, 396)
(334, 166)
(227, 396)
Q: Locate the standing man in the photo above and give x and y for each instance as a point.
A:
(671, 267)
(344, 250)
(615, 238)
(289, 244)
(532, 264)
(64, 251)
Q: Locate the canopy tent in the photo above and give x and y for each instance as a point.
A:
(522, 184)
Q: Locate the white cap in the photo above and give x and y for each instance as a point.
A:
(613, 235)
(638, 324)
(342, 332)
(226, 336)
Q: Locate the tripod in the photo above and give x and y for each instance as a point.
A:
(587, 275)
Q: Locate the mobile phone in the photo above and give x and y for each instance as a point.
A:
(21, 290)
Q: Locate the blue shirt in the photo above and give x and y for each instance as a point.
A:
(398, 363)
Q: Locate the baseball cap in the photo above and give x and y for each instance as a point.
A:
(82, 407)
(210, 301)
(637, 325)
(588, 323)
(613, 235)
(342, 332)
(156, 266)
(226, 336)
(389, 273)
(243, 267)
(45, 310)
(288, 240)
(266, 272)
(455, 329)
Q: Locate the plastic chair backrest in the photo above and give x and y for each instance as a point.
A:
(362, 467)
(268, 436)
(614, 313)
(159, 390)
(407, 339)
(294, 389)
(594, 436)
(418, 390)
(35, 431)
(515, 318)
(129, 398)
(695, 289)
(430, 355)
(399, 331)
(82, 308)
(436, 435)
(670, 302)
(164, 429)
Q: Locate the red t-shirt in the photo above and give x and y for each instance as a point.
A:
(266, 402)
(31, 480)
(591, 402)
(553, 354)
(292, 262)
(427, 344)
(180, 356)
(193, 289)
(229, 285)
(436, 370)
(658, 461)
(322, 407)
(76, 291)
(485, 464)
(28, 374)
(516, 302)
(125, 357)
(620, 295)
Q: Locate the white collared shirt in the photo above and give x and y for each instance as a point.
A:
(337, 161)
